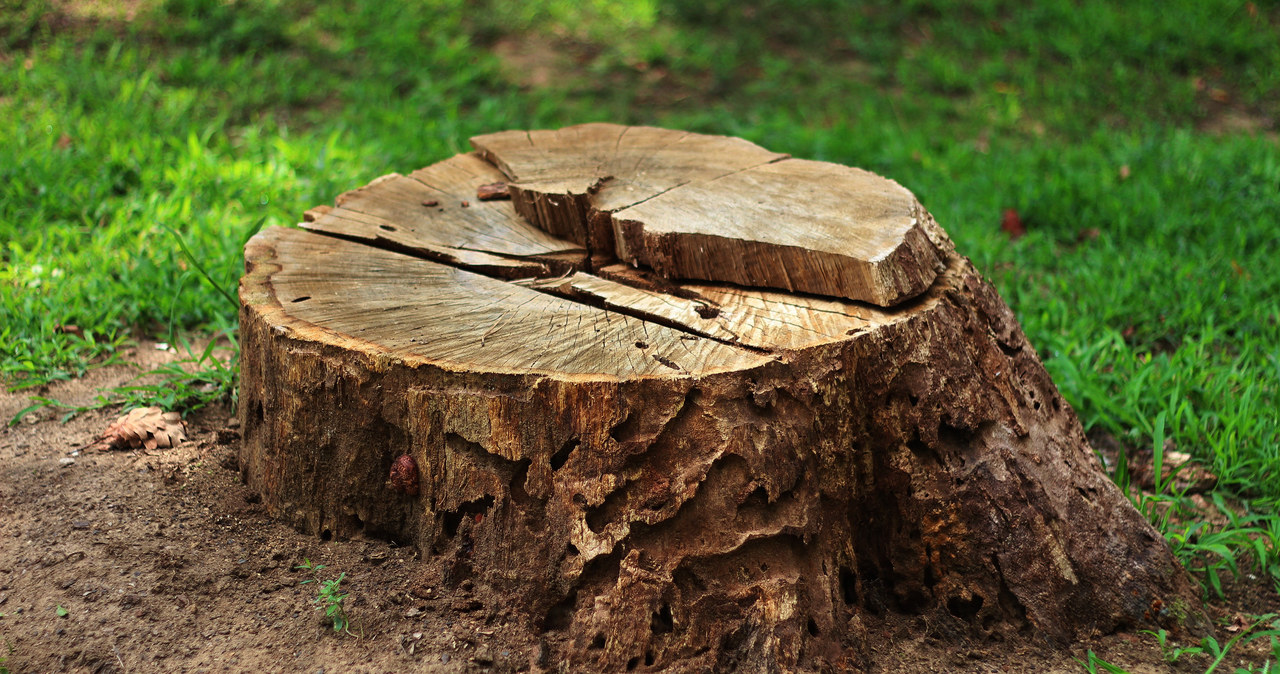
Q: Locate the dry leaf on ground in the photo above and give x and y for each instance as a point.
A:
(149, 427)
(1011, 224)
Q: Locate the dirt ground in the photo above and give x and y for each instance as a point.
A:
(162, 561)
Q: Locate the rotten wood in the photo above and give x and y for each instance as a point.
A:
(672, 474)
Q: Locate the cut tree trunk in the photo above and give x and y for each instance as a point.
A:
(685, 403)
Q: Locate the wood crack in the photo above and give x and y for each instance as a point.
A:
(692, 206)
(557, 290)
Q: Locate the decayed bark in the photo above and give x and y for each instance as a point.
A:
(673, 474)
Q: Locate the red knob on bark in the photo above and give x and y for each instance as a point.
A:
(404, 475)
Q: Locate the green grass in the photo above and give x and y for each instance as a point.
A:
(1149, 278)
(1208, 651)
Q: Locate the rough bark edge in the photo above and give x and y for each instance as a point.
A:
(510, 479)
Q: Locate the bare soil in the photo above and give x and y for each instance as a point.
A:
(165, 562)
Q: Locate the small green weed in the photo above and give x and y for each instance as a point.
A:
(329, 597)
(1207, 550)
(1208, 647)
(1094, 664)
(185, 385)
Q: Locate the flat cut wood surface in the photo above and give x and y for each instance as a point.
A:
(764, 319)
(536, 303)
(795, 224)
(390, 304)
(714, 208)
(620, 165)
(434, 212)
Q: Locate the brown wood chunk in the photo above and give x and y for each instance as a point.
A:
(713, 208)
(492, 192)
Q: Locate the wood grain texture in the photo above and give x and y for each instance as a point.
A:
(434, 212)
(692, 206)
(797, 225)
(766, 320)
(386, 303)
(672, 475)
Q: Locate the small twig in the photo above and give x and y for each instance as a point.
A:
(119, 660)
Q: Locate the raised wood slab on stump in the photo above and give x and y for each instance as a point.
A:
(720, 209)
(662, 472)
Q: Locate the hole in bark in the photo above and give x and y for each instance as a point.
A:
(387, 228)
(758, 498)
(633, 663)
(518, 492)
(597, 642)
(453, 518)
(642, 345)
(602, 570)
(913, 601)
(915, 399)
(451, 522)
(954, 438)
(812, 627)
(562, 455)
(326, 535)
(965, 609)
(580, 500)
(1036, 405)
(559, 616)
(706, 310)
(848, 586)
(304, 298)
(929, 578)
(874, 591)
(648, 658)
(600, 517)
(626, 429)
(923, 451)
(662, 622)
(257, 411)
(731, 646)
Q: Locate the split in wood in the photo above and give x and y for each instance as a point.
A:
(838, 425)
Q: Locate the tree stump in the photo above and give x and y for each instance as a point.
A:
(685, 402)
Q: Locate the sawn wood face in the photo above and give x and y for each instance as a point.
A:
(714, 208)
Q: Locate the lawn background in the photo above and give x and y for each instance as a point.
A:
(1136, 141)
